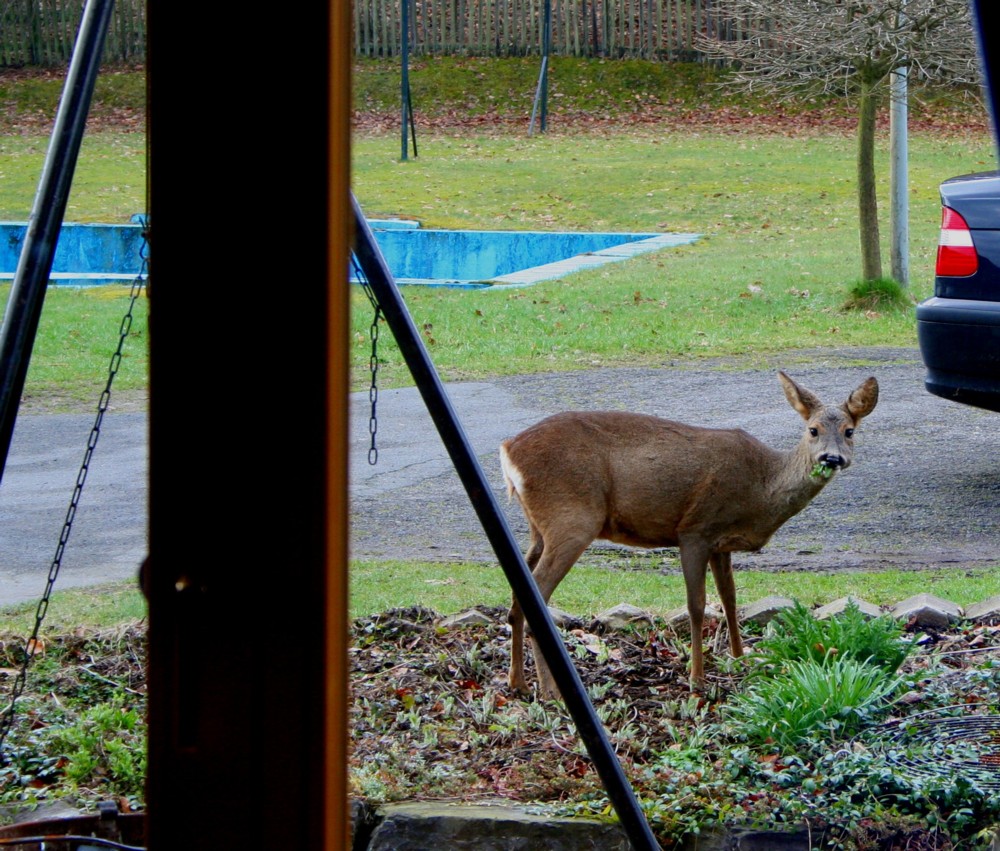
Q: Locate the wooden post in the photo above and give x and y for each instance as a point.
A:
(247, 576)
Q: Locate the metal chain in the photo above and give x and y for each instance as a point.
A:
(372, 360)
(31, 647)
(373, 390)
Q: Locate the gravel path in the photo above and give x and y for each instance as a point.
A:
(923, 490)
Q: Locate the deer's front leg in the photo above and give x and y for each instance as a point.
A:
(694, 565)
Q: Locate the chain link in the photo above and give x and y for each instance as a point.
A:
(372, 360)
(31, 647)
(373, 390)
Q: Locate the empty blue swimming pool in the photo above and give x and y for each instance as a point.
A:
(98, 254)
(475, 258)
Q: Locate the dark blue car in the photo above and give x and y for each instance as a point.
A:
(959, 327)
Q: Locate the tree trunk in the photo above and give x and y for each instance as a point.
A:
(871, 255)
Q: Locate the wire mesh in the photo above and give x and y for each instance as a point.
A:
(943, 747)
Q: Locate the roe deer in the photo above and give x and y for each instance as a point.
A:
(649, 482)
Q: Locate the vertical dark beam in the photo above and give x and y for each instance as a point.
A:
(540, 107)
(339, 239)
(27, 294)
(404, 80)
(546, 50)
(986, 17)
(247, 520)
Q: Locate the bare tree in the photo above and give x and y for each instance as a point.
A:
(846, 47)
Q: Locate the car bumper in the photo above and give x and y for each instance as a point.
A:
(960, 345)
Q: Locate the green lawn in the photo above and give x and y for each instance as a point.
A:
(771, 272)
(380, 586)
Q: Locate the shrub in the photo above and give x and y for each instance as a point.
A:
(106, 741)
(810, 700)
(797, 634)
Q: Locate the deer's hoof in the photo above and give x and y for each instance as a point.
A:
(518, 684)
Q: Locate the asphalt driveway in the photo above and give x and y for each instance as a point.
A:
(108, 539)
(924, 489)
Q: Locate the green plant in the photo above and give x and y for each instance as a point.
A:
(811, 701)
(107, 742)
(797, 634)
(878, 294)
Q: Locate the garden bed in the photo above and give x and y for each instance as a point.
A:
(433, 719)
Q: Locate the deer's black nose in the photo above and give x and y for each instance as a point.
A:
(831, 460)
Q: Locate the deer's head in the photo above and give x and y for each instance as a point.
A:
(829, 437)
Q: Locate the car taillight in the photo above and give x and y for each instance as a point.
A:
(956, 255)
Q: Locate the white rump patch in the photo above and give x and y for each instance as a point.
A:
(513, 477)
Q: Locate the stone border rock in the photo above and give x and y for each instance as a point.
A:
(419, 826)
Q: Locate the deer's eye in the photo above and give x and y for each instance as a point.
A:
(849, 432)
(813, 431)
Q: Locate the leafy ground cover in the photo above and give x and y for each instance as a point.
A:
(433, 719)
(79, 732)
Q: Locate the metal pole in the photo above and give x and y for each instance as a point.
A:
(538, 96)
(405, 79)
(541, 104)
(27, 293)
(899, 207)
(495, 525)
(547, 47)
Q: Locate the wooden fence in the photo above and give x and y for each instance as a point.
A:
(42, 32)
(650, 29)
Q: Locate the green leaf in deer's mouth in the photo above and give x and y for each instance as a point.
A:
(822, 471)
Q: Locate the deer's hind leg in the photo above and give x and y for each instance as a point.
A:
(515, 617)
(558, 556)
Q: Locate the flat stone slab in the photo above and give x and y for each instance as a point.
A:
(470, 617)
(926, 610)
(422, 826)
(620, 616)
(988, 611)
(679, 620)
(565, 620)
(838, 607)
(765, 610)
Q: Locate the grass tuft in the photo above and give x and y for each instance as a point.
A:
(878, 294)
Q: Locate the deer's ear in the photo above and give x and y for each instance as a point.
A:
(863, 400)
(804, 401)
